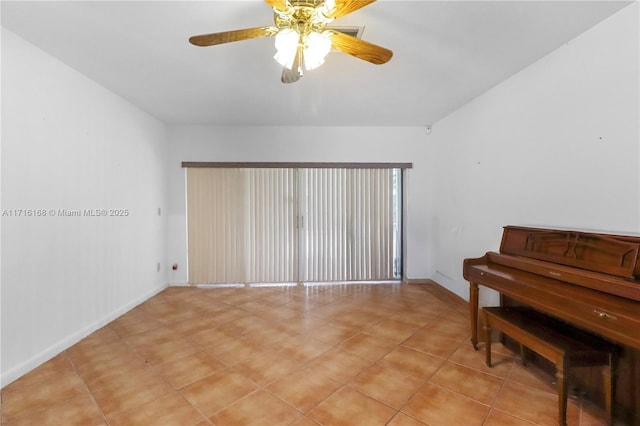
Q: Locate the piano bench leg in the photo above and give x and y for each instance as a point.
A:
(563, 391)
(608, 375)
(487, 338)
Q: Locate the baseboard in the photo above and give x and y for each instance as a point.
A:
(62, 345)
(442, 293)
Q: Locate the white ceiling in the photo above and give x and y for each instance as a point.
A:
(445, 54)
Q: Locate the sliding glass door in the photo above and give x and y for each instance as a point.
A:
(350, 229)
(270, 225)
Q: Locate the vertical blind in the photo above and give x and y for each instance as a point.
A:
(348, 234)
(260, 225)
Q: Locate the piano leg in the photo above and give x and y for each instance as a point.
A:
(473, 313)
(523, 354)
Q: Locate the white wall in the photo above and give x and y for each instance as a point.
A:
(300, 144)
(557, 145)
(68, 143)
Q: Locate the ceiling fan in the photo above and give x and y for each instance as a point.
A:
(302, 38)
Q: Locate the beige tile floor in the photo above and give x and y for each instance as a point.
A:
(354, 354)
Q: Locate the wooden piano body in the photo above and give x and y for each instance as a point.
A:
(589, 280)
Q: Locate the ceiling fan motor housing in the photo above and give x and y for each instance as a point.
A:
(304, 17)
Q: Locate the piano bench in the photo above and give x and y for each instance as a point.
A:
(560, 343)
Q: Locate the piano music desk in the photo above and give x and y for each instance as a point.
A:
(561, 344)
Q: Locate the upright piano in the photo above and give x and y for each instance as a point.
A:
(590, 280)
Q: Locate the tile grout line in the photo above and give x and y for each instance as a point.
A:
(86, 386)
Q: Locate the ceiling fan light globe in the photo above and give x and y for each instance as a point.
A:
(317, 47)
(287, 41)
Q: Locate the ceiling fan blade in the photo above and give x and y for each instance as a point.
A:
(345, 7)
(229, 36)
(360, 49)
(277, 4)
(295, 73)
